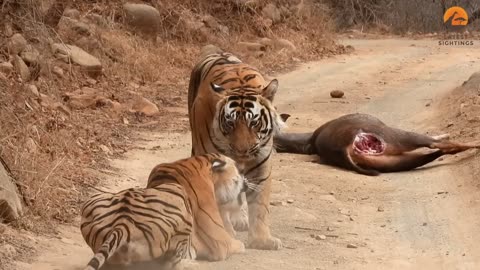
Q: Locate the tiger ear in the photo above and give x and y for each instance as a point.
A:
(269, 91)
(218, 165)
(217, 88)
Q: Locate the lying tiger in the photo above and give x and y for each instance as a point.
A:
(176, 217)
(231, 112)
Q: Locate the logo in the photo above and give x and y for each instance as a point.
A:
(455, 21)
(455, 18)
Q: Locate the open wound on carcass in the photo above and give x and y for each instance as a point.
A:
(368, 144)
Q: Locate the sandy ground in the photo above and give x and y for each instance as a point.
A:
(423, 219)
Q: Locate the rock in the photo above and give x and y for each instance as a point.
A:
(81, 28)
(337, 94)
(8, 30)
(105, 149)
(284, 44)
(270, 11)
(85, 98)
(71, 13)
(21, 68)
(380, 209)
(30, 55)
(266, 41)
(10, 204)
(352, 246)
(66, 25)
(145, 106)
(57, 71)
(209, 49)
(320, 237)
(278, 203)
(141, 17)
(290, 201)
(33, 89)
(78, 56)
(17, 44)
(6, 68)
(251, 46)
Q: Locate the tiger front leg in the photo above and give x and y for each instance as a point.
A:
(239, 215)
(259, 236)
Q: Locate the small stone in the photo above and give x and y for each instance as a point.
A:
(278, 203)
(105, 149)
(78, 56)
(284, 44)
(424, 224)
(57, 71)
(125, 121)
(145, 106)
(290, 201)
(143, 18)
(6, 68)
(428, 104)
(71, 13)
(380, 209)
(329, 229)
(30, 55)
(352, 246)
(17, 44)
(350, 36)
(331, 193)
(8, 30)
(450, 124)
(21, 68)
(33, 89)
(320, 237)
(270, 11)
(337, 94)
(91, 81)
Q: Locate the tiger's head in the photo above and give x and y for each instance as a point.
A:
(246, 120)
(227, 180)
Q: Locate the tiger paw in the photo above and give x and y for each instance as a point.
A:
(237, 247)
(271, 243)
(239, 221)
(187, 264)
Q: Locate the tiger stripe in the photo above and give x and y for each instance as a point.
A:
(231, 112)
(175, 217)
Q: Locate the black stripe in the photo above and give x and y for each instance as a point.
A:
(94, 263)
(260, 163)
(229, 80)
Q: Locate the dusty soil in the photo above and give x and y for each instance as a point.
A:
(423, 219)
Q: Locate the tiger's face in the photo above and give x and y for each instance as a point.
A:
(245, 122)
(227, 180)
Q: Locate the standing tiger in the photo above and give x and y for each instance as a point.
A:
(176, 217)
(231, 112)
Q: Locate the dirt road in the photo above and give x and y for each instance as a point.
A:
(424, 219)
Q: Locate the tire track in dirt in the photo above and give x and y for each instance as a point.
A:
(389, 78)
